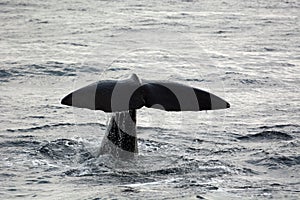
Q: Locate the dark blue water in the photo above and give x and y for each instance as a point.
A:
(245, 52)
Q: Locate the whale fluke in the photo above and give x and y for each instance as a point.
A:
(123, 97)
(133, 93)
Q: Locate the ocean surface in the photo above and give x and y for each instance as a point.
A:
(247, 52)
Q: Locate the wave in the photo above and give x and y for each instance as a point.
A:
(66, 149)
(279, 126)
(194, 80)
(50, 126)
(248, 81)
(73, 151)
(20, 143)
(172, 24)
(243, 79)
(51, 68)
(4, 74)
(73, 44)
(142, 170)
(277, 161)
(266, 135)
(118, 69)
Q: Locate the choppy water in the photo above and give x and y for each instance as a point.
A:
(244, 51)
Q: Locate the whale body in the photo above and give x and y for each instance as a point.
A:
(124, 97)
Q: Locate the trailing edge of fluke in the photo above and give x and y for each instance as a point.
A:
(133, 93)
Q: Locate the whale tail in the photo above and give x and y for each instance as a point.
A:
(123, 97)
(133, 93)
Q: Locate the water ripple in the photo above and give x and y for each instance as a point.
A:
(266, 135)
(277, 161)
(50, 126)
